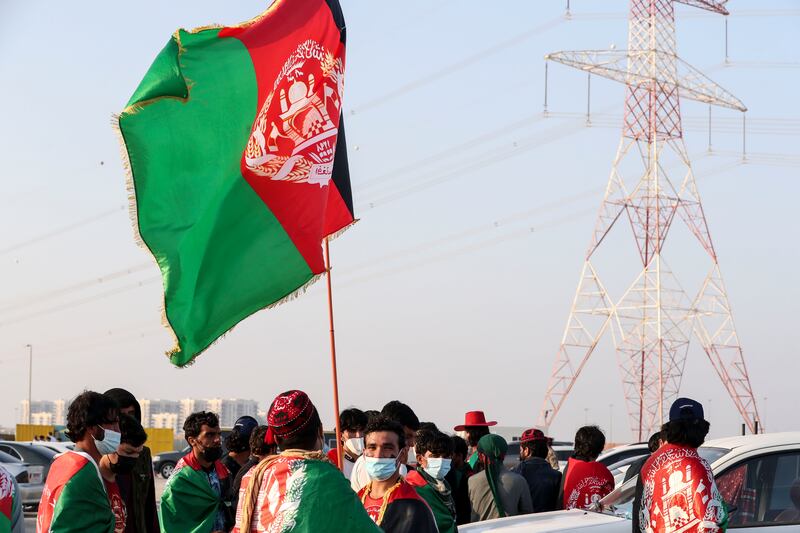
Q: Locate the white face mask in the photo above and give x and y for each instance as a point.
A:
(355, 445)
(412, 456)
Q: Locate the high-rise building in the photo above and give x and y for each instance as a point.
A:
(53, 411)
(166, 420)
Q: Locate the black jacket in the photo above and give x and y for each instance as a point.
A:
(543, 483)
(460, 489)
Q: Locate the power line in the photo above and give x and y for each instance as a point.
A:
(65, 229)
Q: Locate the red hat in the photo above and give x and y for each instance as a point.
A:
(472, 419)
(290, 412)
(533, 434)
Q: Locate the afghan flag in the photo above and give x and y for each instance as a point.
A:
(74, 499)
(235, 147)
(9, 503)
(188, 503)
(300, 493)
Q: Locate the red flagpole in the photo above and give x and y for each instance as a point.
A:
(333, 359)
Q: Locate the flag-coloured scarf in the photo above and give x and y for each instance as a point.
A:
(299, 492)
(188, 503)
(679, 493)
(237, 163)
(74, 499)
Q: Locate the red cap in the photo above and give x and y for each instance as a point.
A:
(289, 412)
(472, 419)
(533, 434)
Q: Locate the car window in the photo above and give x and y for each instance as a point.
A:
(622, 455)
(6, 458)
(564, 455)
(765, 490)
(11, 451)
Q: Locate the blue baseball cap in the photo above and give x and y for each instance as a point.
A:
(245, 425)
(686, 409)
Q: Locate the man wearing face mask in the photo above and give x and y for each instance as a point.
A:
(388, 498)
(298, 490)
(352, 423)
(405, 416)
(193, 496)
(434, 452)
(119, 463)
(136, 487)
(74, 499)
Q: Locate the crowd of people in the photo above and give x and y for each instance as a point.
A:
(397, 474)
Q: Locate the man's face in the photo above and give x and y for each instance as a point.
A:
(353, 433)
(129, 450)
(422, 460)
(382, 444)
(209, 437)
(130, 411)
(411, 436)
(458, 460)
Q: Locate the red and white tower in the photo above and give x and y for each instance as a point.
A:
(651, 185)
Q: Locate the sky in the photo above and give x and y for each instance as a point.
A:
(452, 292)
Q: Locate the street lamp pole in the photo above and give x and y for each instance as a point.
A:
(30, 379)
(611, 422)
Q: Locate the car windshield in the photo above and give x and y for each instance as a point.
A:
(620, 501)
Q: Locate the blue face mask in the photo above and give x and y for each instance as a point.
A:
(380, 468)
(438, 467)
(110, 442)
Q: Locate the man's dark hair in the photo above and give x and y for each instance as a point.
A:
(654, 442)
(195, 421)
(400, 412)
(257, 445)
(352, 420)
(474, 434)
(237, 442)
(371, 413)
(434, 441)
(383, 423)
(305, 438)
(131, 430)
(125, 399)
(459, 445)
(537, 448)
(428, 426)
(690, 433)
(589, 442)
(89, 409)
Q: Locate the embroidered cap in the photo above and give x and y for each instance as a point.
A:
(686, 409)
(533, 434)
(290, 412)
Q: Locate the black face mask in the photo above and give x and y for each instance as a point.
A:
(124, 464)
(211, 454)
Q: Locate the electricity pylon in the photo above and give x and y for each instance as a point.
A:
(653, 321)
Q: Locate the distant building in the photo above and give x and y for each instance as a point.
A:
(166, 420)
(44, 412)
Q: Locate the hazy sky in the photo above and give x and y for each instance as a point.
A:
(452, 292)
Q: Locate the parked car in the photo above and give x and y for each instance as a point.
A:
(620, 453)
(33, 455)
(756, 475)
(56, 446)
(30, 493)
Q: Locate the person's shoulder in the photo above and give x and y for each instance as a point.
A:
(415, 479)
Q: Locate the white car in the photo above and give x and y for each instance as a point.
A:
(621, 453)
(759, 475)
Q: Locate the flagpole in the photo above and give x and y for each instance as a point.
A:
(333, 359)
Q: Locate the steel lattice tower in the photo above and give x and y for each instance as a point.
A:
(653, 321)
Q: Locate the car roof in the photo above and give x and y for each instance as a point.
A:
(744, 443)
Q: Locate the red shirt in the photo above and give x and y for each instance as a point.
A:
(586, 483)
(373, 507)
(117, 506)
